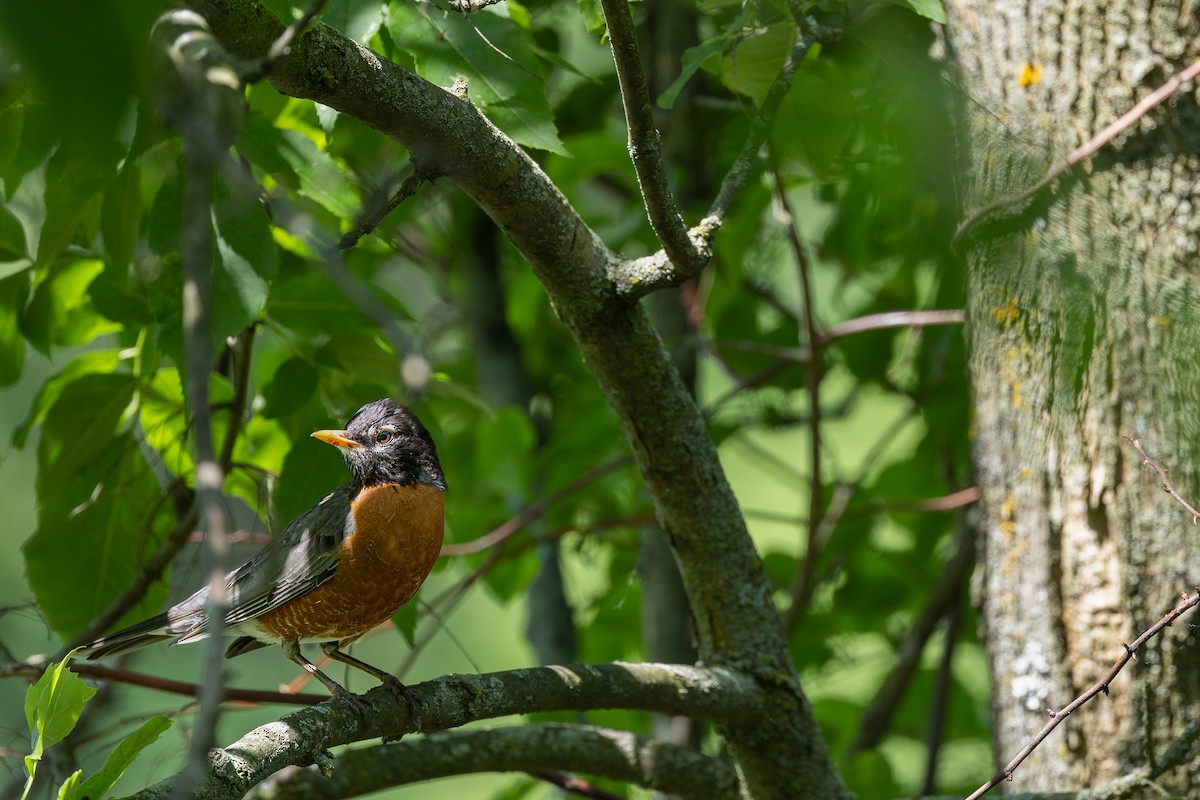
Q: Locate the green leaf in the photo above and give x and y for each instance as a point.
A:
(98, 785)
(70, 787)
(930, 9)
(12, 237)
(97, 361)
(61, 311)
(293, 384)
(14, 292)
(701, 54)
(53, 705)
(293, 158)
(246, 262)
(496, 56)
(756, 60)
(73, 178)
(80, 428)
(93, 535)
(817, 118)
(311, 470)
(121, 215)
(311, 304)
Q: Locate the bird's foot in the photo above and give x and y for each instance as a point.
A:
(396, 687)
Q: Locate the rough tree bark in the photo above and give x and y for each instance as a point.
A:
(1082, 328)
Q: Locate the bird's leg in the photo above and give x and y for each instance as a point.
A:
(332, 650)
(291, 649)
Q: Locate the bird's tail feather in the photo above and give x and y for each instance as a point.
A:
(134, 637)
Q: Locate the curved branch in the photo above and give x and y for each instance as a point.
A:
(302, 737)
(605, 752)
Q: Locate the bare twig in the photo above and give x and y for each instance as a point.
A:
(645, 145)
(371, 220)
(803, 586)
(638, 277)
(1081, 153)
(1162, 474)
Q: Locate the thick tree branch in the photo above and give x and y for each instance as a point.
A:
(605, 752)
(301, 738)
(781, 752)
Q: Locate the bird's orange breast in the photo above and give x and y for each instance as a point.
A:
(396, 538)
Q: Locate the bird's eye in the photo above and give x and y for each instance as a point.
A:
(384, 436)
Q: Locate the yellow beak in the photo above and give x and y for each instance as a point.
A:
(337, 439)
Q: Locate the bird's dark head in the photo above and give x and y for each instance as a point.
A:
(384, 442)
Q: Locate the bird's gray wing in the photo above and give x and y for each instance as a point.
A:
(301, 558)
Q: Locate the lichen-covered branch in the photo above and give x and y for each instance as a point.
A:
(616, 754)
(301, 738)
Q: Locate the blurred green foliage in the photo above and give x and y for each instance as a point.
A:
(89, 235)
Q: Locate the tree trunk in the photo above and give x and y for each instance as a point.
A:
(1082, 328)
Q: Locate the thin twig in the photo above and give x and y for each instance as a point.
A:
(1081, 153)
(1166, 482)
(408, 187)
(31, 671)
(645, 145)
(802, 587)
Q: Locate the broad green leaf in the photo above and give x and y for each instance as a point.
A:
(312, 305)
(98, 785)
(97, 361)
(311, 470)
(246, 262)
(74, 176)
(816, 119)
(164, 423)
(930, 9)
(70, 787)
(80, 427)
(14, 291)
(93, 535)
(37, 138)
(295, 160)
(358, 19)
(61, 311)
(754, 63)
(493, 53)
(53, 705)
(293, 384)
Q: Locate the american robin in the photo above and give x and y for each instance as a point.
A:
(340, 568)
